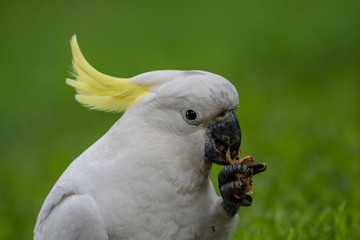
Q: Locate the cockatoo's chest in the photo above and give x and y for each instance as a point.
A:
(151, 207)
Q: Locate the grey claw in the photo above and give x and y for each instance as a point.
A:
(246, 201)
(231, 204)
(227, 174)
(228, 189)
(258, 168)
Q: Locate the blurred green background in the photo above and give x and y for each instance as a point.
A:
(295, 64)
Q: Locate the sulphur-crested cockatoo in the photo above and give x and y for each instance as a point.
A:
(148, 176)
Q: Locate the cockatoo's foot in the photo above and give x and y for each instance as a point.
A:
(228, 185)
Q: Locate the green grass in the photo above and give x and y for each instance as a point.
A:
(294, 63)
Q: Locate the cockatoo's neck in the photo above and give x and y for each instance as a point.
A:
(177, 157)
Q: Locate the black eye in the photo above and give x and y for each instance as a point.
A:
(191, 114)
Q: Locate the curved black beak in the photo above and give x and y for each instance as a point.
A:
(222, 136)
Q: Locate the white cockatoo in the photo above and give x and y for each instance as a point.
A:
(148, 176)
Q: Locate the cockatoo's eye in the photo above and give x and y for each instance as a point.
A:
(190, 114)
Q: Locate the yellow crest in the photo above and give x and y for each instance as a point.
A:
(99, 91)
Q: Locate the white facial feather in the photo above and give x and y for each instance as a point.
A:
(179, 143)
(207, 93)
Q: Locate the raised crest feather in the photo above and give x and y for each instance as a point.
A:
(99, 91)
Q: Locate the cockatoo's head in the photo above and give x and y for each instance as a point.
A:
(179, 102)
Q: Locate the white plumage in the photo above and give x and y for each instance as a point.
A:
(146, 178)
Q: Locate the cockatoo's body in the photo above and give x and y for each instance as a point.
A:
(120, 192)
(147, 177)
